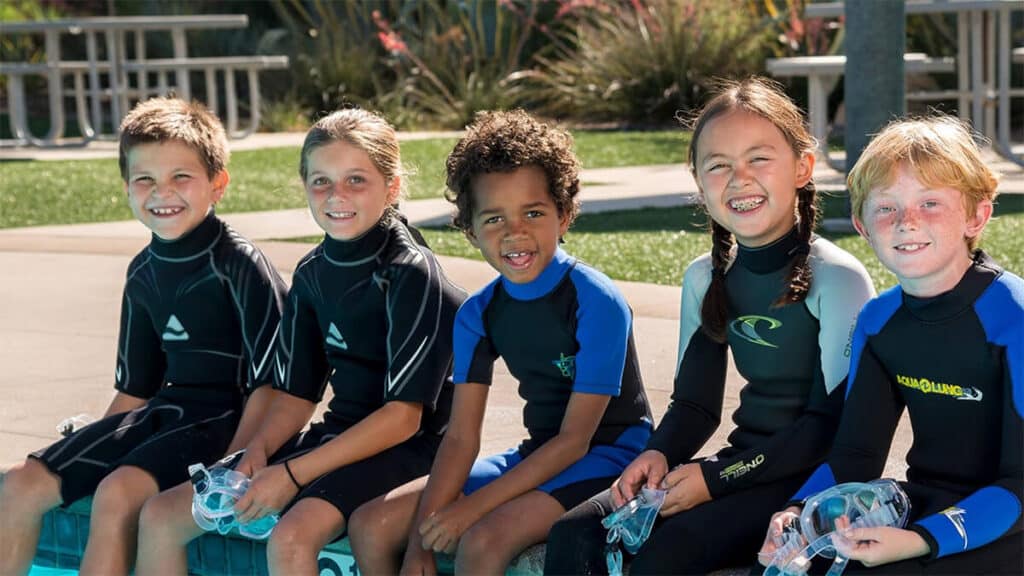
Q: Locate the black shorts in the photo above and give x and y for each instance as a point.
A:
(349, 487)
(178, 427)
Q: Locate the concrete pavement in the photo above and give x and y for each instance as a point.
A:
(62, 284)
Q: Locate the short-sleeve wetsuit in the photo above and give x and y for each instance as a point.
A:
(569, 330)
(794, 359)
(373, 317)
(955, 362)
(199, 320)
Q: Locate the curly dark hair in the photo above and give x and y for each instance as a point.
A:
(504, 141)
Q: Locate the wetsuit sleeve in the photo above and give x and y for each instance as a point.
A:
(860, 451)
(993, 511)
(141, 362)
(838, 293)
(695, 411)
(257, 293)
(420, 315)
(300, 361)
(474, 353)
(603, 323)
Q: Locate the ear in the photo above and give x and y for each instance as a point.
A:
(220, 185)
(472, 238)
(563, 225)
(976, 222)
(804, 169)
(394, 188)
(861, 229)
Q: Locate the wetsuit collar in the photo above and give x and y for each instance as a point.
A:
(192, 244)
(358, 250)
(774, 256)
(948, 304)
(543, 283)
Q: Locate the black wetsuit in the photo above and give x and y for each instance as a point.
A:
(372, 317)
(956, 363)
(199, 320)
(794, 359)
(569, 330)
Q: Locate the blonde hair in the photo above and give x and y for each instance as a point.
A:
(363, 129)
(165, 119)
(939, 149)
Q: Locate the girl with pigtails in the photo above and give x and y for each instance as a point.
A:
(784, 302)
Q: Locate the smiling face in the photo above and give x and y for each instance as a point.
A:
(347, 194)
(516, 224)
(920, 233)
(748, 176)
(168, 188)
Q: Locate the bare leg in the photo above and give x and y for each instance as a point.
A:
(300, 535)
(114, 525)
(492, 543)
(379, 529)
(165, 529)
(28, 491)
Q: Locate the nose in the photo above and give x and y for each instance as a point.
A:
(516, 227)
(908, 218)
(740, 175)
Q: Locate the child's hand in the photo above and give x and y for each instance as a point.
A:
(269, 490)
(686, 489)
(442, 529)
(879, 545)
(773, 539)
(418, 562)
(647, 469)
(252, 461)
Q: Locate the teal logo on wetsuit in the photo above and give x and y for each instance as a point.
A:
(746, 327)
(174, 331)
(566, 365)
(334, 337)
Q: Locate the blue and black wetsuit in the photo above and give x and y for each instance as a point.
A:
(569, 330)
(955, 362)
(373, 317)
(199, 320)
(794, 359)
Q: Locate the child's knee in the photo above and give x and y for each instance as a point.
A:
(166, 513)
(123, 492)
(30, 484)
(480, 541)
(289, 538)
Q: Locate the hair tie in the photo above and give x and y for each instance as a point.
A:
(288, 469)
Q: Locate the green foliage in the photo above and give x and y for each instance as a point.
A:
(642, 62)
(335, 55)
(453, 59)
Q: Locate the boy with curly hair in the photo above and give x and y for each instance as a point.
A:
(565, 333)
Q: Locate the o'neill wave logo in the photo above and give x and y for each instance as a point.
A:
(746, 328)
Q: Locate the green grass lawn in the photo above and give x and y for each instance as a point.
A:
(655, 245)
(34, 193)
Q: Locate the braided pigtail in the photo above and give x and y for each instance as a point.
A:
(714, 310)
(800, 274)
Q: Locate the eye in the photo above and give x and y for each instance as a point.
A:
(534, 214)
(884, 209)
(320, 181)
(142, 180)
(930, 204)
(759, 159)
(356, 179)
(182, 176)
(492, 220)
(718, 167)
